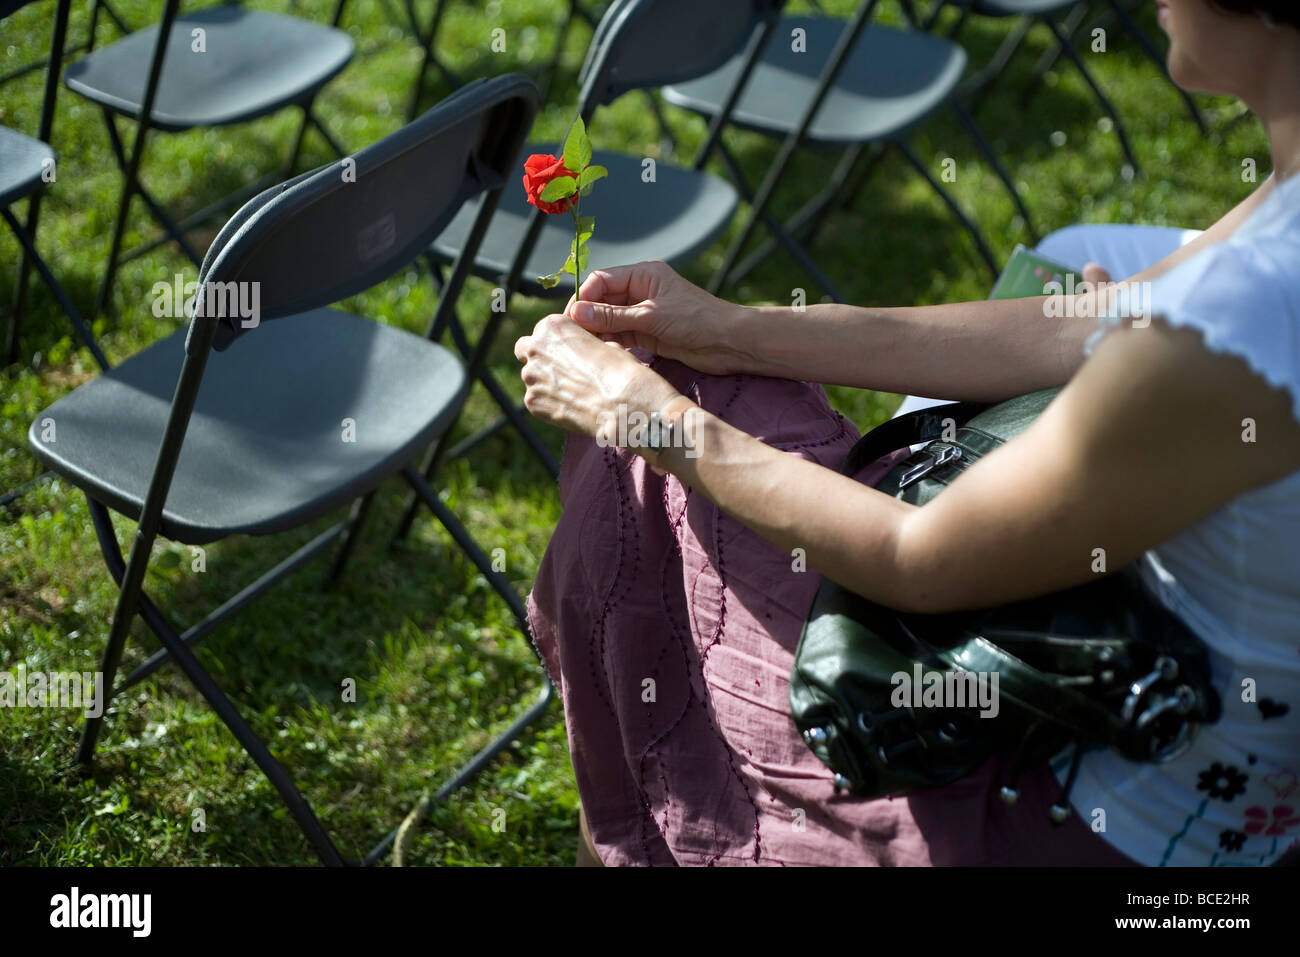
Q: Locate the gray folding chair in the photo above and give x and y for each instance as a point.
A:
(197, 445)
(851, 87)
(214, 67)
(24, 163)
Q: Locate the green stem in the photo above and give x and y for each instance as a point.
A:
(577, 251)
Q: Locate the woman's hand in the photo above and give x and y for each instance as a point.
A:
(583, 384)
(649, 306)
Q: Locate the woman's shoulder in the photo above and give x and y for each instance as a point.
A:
(1242, 295)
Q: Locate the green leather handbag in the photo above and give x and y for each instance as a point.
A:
(893, 702)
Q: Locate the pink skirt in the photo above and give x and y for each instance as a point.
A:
(670, 630)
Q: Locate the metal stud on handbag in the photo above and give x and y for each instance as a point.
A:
(1100, 665)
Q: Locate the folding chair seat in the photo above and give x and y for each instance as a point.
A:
(891, 81)
(250, 64)
(255, 63)
(293, 464)
(222, 429)
(22, 161)
(850, 86)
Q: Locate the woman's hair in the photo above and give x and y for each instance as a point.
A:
(1279, 11)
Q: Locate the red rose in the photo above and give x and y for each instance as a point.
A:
(539, 170)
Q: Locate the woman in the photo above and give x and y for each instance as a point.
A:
(670, 601)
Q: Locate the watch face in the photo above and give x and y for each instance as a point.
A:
(654, 434)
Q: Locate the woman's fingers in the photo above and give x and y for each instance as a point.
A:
(522, 345)
(613, 285)
(1095, 273)
(602, 318)
(624, 285)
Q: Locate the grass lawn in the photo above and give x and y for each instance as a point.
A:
(437, 664)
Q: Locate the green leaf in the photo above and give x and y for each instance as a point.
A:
(569, 266)
(590, 175)
(577, 148)
(549, 282)
(586, 226)
(559, 188)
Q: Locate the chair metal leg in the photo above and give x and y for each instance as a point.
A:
(1070, 26)
(348, 543)
(730, 273)
(505, 590)
(461, 536)
(1068, 49)
(826, 81)
(132, 179)
(429, 59)
(1126, 18)
(475, 765)
(979, 85)
(807, 222)
(291, 162)
(553, 67)
(231, 606)
(995, 161)
(131, 577)
(951, 203)
(82, 330)
(325, 134)
(511, 414)
(58, 38)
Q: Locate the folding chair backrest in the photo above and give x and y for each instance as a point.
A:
(649, 43)
(344, 227)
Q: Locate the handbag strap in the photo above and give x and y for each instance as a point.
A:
(908, 429)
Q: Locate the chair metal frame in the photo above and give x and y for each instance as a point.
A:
(26, 232)
(1117, 10)
(129, 572)
(129, 165)
(1062, 32)
(845, 183)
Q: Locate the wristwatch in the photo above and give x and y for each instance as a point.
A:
(662, 430)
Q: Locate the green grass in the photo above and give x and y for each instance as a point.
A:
(436, 662)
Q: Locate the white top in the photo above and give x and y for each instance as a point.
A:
(1233, 799)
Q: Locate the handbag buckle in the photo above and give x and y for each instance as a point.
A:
(931, 462)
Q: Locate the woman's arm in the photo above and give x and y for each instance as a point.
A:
(982, 351)
(979, 351)
(972, 350)
(1146, 440)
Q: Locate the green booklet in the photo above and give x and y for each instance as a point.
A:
(1027, 273)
